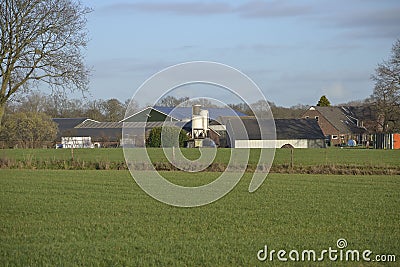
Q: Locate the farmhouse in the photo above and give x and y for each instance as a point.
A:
(339, 124)
(295, 133)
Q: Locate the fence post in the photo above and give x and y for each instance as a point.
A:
(291, 157)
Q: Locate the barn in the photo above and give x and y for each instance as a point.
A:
(296, 133)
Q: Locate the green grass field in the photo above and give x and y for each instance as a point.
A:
(91, 218)
(304, 157)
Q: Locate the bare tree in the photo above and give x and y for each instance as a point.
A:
(131, 107)
(262, 108)
(42, 41)
(386, 95)
(242, 107)
(113, 110)
(171, 101)
(204, 102)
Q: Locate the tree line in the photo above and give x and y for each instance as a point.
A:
(60, 106)
(28, 123)
(259, 106)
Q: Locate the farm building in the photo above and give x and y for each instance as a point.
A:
(297, 133)
(102, 133)
(223, 127)
(66, 126)
(339, 124)
(110, 133)
(183, 117)
(76, 142)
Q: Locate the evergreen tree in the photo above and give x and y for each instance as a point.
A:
(324, 102)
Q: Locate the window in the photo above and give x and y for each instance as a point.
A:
(334, 136)
(307, 117)
(317, 118)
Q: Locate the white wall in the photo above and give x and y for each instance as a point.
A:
(296, 143)
(77, 142)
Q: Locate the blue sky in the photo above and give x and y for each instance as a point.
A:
(295, 51)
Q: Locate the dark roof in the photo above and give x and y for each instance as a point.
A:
(65, 124)
(335, 116)
(185, 113)
(285, 129)
(112, 131)
(99, 134)
(341, 119)
(119, 125)
(298, 129)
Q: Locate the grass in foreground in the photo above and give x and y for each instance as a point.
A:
(104, 218)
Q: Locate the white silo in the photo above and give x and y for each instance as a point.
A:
(204, 118)
(197, 122)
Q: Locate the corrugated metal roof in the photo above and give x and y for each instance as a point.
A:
(285, 129)
(185, 113)
(119, 125)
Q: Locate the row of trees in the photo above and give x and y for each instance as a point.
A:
(59, 106)
(257, 107)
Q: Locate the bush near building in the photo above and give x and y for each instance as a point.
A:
(169, 139)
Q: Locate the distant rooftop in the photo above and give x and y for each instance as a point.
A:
(340, 117)
(285, 129)
(68, 123)
(185, 113)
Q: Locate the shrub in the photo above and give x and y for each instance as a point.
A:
(172, 137)
(28, 130)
